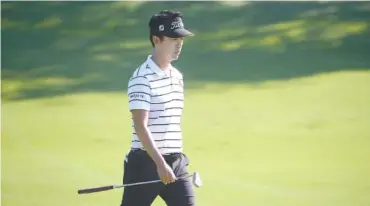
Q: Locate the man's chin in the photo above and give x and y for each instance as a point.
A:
(175, 57)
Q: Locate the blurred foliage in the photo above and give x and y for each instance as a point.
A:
(54, 48)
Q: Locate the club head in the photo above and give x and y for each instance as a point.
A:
(196, 179)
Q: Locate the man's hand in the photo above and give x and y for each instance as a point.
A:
(165, 173)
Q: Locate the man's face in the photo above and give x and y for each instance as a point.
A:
(170, 47)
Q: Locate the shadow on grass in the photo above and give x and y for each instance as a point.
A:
(55, 48)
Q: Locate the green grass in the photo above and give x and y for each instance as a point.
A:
(53, 48)
(276, 114)
(303, 141)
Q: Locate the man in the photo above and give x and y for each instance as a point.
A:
(155, 93)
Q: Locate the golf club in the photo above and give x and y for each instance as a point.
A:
(195, 180)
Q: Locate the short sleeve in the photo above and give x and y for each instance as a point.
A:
(139, 93)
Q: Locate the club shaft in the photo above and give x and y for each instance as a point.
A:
(137, 183)
(105, 188)
(147, 182)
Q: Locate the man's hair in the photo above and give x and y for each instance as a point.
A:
(160, 17)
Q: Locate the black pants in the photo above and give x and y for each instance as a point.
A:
(139, 167)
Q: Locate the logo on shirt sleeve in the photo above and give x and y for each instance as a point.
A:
(137, 96)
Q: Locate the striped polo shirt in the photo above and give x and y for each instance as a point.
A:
(162, 94)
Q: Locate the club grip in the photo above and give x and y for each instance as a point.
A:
(96, 189)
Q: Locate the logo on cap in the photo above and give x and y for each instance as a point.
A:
(177, 24)
(161, 28)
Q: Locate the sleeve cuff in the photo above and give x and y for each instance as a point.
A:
(139, 105)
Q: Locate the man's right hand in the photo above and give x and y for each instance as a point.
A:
(166, 174)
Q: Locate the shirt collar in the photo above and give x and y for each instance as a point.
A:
(153, 66)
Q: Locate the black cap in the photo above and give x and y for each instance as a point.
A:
(168, 23)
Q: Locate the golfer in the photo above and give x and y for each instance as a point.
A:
(156, 100)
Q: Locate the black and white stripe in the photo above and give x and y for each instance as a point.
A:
(163, 96)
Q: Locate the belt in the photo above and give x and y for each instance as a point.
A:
(167, 154)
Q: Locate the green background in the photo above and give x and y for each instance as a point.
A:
(276, 111)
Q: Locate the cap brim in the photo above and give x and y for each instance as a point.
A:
(181, 32)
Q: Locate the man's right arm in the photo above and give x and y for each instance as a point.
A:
(139, 95)
(140, 118)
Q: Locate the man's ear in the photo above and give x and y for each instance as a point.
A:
(155, 39)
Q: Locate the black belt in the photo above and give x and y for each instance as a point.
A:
(167, 154)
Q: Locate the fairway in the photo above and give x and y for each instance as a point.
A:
(283, 143)
(276, 111)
